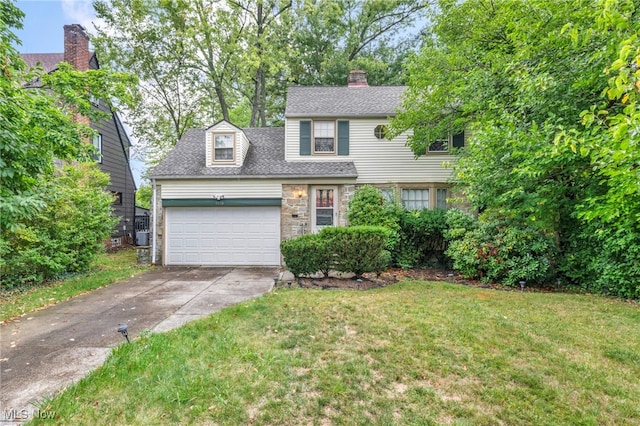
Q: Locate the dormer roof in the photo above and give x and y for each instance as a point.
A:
(343, 102)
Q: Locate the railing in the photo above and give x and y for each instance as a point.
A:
(141, 223)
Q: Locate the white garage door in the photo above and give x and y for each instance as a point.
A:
(223, 236)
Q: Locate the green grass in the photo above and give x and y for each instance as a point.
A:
(108, 268)
(413, 353)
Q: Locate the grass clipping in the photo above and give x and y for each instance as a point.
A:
(411, 353)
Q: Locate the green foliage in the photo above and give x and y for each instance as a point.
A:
(421, 238)
(548, 156)
(63, 237)
(497, 250)
(306, 255)
(143, 196)
(356, 249)
(368, 207)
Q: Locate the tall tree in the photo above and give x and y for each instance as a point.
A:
(520, 75)
(37, 121)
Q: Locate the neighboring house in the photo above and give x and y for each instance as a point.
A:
(229, 196)
(111, 141)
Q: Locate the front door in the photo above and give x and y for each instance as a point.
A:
(325, 212)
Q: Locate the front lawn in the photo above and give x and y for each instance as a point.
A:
(106, 269)
(412, 353)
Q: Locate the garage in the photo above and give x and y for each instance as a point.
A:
(223, 236)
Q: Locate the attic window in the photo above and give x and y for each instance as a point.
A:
(223, 147)
(380, 131)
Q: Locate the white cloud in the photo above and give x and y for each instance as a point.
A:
(79, 12)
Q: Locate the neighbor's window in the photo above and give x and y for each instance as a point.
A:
(97, 144)
(415, 199)
(441, 198)
(117, 198)
(324, 136)
(380, 131)
(223, 144)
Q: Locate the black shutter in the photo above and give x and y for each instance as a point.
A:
(343, 138)
(305, 138)
(458, 140)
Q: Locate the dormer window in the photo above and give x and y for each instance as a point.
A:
(324, 137)
(223, 147)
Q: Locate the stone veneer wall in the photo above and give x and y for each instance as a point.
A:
(346, 194)
(295, 212)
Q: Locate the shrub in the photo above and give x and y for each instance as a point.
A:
(306, 255)
(497, 250)
(356, 249)
(421, 237)
(66, 235)
(369, 208)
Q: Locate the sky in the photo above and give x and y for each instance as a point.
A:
(43, 33)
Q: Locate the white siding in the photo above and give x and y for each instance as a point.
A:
(241, 144)
(377, 160)
(240, 188)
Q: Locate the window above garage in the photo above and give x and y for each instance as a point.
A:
(226, 145)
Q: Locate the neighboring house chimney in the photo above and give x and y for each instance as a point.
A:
(76, 47)
(358, 78)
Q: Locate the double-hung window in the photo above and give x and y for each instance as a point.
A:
(324, 137)
(223, 147)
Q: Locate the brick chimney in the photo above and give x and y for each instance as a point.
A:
(76, 47)
(357, 78)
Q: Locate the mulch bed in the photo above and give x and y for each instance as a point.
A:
(392, 276)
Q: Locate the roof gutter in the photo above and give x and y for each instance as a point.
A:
(229, 177)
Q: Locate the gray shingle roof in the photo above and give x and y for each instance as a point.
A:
(343, 102)
(49, 61)
(265, 158)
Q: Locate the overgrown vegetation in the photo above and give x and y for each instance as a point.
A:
(52, 219)
(554, 152)
(411, 353)
(65, 236)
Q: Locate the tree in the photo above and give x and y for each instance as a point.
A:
(52, 219)
(37, 121)
(200, 61)
(518, 75)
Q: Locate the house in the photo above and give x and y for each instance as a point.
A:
(111, 140)
(229, 196)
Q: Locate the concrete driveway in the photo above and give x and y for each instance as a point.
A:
(44, 351)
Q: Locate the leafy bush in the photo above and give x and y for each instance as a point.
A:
(496, 250)
(421, 237)
(306, 255)
(356, 249)
(605, 261)
(369, 208)
(63, 237)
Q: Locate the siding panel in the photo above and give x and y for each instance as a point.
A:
(250, 188)
(377, 160)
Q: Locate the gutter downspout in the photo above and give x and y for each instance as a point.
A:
(155, 223)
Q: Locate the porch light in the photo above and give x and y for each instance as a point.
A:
(300, 193)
